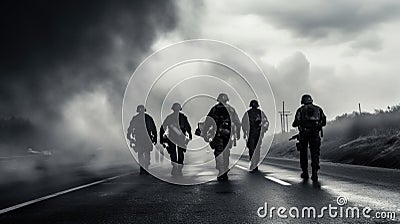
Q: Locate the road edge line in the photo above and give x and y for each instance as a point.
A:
(21, 205)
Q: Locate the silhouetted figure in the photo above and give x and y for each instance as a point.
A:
(309, 119)
(222, 129)
(175, 134)
(254, 125)
(142, 134)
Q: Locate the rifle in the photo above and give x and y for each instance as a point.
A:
(164, 139)
(199, 129)
(208, 134)
(322, 132)
(297, 137)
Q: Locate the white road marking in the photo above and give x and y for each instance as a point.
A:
(276, 180)
(242, 167)
(271, 178)
(2, 211)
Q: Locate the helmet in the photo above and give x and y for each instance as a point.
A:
(176, 107)
(306, 99)
(254, 104)
(223, 98)
(140, 109)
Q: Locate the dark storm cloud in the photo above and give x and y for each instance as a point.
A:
(54, 50)
(325, 19)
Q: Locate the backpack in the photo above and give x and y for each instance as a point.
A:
(311, 116)
(255, 118)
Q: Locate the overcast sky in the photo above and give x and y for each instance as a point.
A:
(342, 52)
(66, 63)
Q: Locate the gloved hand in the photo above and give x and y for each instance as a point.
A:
(154, 140)
(163, 139)
(165, 145)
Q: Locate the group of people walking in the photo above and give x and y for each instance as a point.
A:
(221, 129)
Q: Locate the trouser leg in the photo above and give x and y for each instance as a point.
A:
(226, 154)
(141, 161)
(251, 152)
(174, 157)
(256, 158)
(180, 158)
(140, 158)
(161, 154)
(315, 144)
(181, 155)
(156, 155)
(304, 155)
(172, 153)
(221, 153)
(222, 163)
(255, 154)
(219, 160)
(146, 159)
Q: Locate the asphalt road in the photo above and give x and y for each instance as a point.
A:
(132, 198)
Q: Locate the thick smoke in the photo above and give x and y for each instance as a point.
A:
(54, 50)
(64, 64)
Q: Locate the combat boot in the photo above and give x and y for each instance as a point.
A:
(174, 169)
(179, 170)
(145, 171)
(142, 171)
(255, 170)
(223, 177)
(314, 176)
(304, 175)
(220, 175)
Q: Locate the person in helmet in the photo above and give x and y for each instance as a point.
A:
(142, 134)
(223, 119)
(309, 119)
(175, 134)
(254, 125)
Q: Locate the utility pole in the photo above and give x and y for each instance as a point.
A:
(359, 108)
(284, 118)
(287, 122)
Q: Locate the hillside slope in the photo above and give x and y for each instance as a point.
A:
(369, 139)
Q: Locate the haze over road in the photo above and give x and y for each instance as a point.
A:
(144, 199)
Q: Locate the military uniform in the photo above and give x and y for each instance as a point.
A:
(142, 133)
(254, 124)
(175, 133)
(225, 121)
(309, 119)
